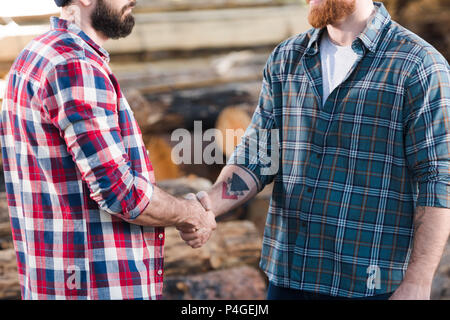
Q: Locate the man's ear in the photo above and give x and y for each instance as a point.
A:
(72, 13)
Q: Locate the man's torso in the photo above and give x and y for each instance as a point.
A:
(67, 248)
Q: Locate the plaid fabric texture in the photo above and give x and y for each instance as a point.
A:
(76, 170)
(351, 172)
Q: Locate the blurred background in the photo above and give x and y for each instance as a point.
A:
(190, 60)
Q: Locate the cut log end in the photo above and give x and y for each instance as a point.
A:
(231, 125)
(160, 154)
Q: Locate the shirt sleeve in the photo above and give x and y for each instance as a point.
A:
(258, 150)
(427, 130)
(82, 103)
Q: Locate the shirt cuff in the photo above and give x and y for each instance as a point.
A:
(252, 169)
(143, 202)
(434, 194)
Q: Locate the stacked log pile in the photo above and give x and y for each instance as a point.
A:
(225, 268)
(164, 26)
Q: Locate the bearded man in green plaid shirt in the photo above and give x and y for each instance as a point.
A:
(353, 128)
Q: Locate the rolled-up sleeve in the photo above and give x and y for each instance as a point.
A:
(427, 130)
(258, 150)
(82, 103)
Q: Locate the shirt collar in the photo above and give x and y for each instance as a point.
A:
(61, 24)
(370, 37)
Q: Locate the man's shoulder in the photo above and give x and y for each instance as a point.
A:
(45, 52)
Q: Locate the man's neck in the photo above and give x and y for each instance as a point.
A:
(344, 32)
(83, 21)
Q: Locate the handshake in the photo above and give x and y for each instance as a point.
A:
(197, 227)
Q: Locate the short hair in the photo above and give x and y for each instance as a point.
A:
(63, 3)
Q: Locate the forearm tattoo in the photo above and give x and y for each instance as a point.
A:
(234, 187)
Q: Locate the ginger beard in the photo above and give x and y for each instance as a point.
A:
(329, 12)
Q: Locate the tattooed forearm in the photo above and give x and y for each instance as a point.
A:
(234, 187)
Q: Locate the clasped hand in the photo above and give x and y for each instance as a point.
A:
(198, 231)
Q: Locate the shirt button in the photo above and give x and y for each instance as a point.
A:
(160, 235)
(159, 272)
(318, 156)
(309, 190)
(304, 224)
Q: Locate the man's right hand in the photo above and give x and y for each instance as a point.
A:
(197, 227)
(197, 218)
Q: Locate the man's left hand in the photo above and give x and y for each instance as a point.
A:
(197, 238)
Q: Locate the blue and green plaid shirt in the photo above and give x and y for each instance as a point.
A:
(351, 171)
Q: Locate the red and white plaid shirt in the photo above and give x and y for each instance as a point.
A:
(76, 170)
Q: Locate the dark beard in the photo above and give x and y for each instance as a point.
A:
(109, 22)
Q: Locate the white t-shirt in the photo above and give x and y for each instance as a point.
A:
(336, 63)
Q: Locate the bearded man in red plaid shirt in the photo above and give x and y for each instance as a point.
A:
(87, 220)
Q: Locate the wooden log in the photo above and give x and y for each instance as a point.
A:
(233, 243)
(193, 71)
(203, 104)
(159, 113)
(241, 283)
(4, 212)
(185, 5)
(164, 166)
(152, 117)
(160, 154)
(181, 186)
(5, 230)
(228, 28)
(9, 280)
(231, 125)
(41, 14)
(189, 30)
